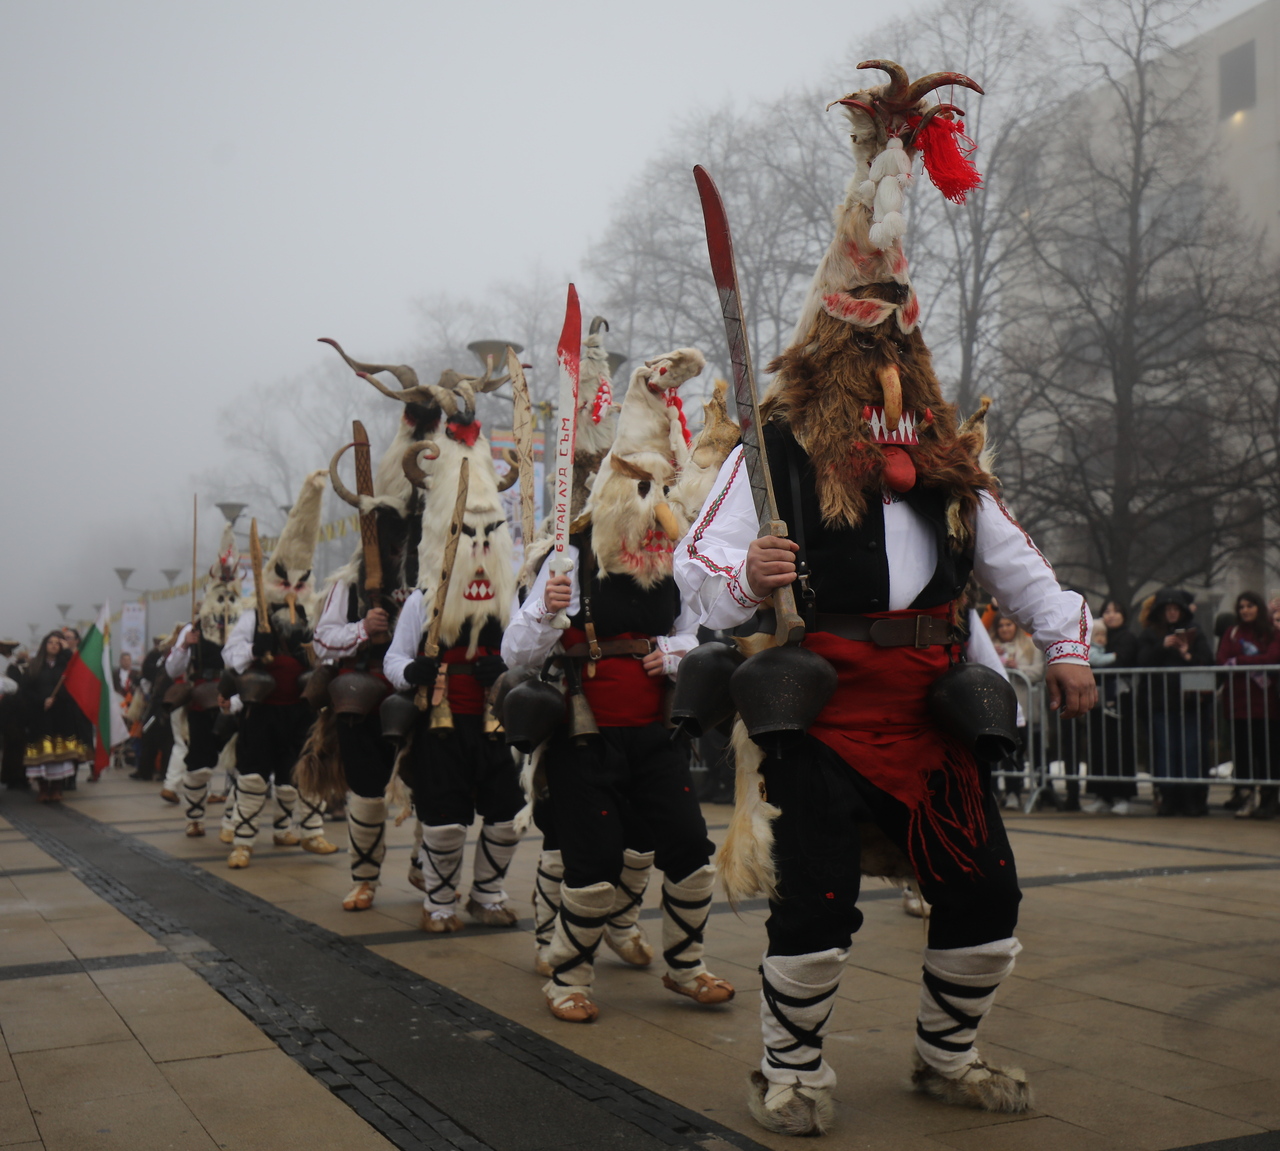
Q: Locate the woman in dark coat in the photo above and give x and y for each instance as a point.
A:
(1112, 728)
(54, 746)
(1251, 701)
(1180, 718)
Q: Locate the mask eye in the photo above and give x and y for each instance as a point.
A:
(866, 343)
(666, 490)
(281, 572)
(643, 488)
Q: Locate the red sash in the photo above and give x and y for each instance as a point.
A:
(621, 693)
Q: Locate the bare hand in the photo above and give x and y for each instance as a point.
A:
(376, 621)
(771, 563)
(48, 703)
(223, 702)
(558, 593)
(654, 662)
(1072, 690)
(193, 638)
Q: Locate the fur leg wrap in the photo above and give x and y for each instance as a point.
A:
(546, 897)
(958, 988)
(572, 951)
(494, 852)
(442, 866)
(623, 933)
(745, 860)
(251, 794)
(287, 799)
(685, 907)
(791, 1093)
(366, 836)
(195, 787)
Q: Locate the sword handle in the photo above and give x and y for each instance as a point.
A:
(790, 625)
(560, 564)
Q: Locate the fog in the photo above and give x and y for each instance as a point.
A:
(194, 192)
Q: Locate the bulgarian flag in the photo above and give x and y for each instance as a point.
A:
(88, 682)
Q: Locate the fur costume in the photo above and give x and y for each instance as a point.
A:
(634, 526)
(597, 414)
(222, 604)
(286, 573)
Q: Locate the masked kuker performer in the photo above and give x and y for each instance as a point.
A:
(269, 664)
(890, 509)
(196, 660)
(459, 766)
(627, 631)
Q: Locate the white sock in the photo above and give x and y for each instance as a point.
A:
(959, 985)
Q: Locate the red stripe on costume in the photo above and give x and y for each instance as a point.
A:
(466, 696)
(705, 523)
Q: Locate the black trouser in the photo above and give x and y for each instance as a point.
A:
(460, 772)
(604, 787)
(204, 745)
(271, 739)
(157, 743)
(817, 853)
(367, 758)
(635, 831)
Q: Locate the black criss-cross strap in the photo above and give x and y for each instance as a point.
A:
(938, 988)
(803, 1036)
(361, 856)
(582, 954)
(499, 872)
(692, 934)
(634, 899)
(447, 882)
(542, 928)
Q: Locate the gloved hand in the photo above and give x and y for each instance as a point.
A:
(265, 643)
(487, 670)
(422, 671)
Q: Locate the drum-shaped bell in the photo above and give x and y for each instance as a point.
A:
(702, 698)
(979, 707)
(530, 713)
(780, 691)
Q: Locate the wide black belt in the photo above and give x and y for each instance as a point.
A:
(905, 631)
(612, 647)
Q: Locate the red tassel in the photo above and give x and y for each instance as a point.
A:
(946, 152)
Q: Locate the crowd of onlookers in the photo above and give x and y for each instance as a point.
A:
(1154, 712)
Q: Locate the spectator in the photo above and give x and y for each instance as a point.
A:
(54, 746)
(126, 677)
(1181, 718)
(1274, 606)
(1251, 703)
(1019, 654)
(1112, 730)
(12, 726)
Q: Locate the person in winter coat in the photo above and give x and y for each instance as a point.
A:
(1181, 719)
(1250, 700)
(1112, 731)
(54, 747)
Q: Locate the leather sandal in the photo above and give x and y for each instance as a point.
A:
(574, 1008)
(705, 988)
(360, 898)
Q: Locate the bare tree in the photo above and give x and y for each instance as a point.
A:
(1128, 440)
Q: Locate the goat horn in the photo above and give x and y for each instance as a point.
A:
(909, 140)
(898, 81)
(513, 473)
(409, 461)
(934, 80)
(344, 493)
(406, 375)
(419, 394)
(891, 386)
(597, 323)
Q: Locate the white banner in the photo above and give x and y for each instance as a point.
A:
(133, 631)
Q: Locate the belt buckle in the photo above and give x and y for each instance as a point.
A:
(920, 640)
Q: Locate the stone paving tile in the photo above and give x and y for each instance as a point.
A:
(85, 1073)
(154, 1118)
(263, 1099)
(108, 933)
(26, 938)
(16, 1122)
(1256, 1101)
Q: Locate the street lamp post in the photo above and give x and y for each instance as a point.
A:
(171, 574)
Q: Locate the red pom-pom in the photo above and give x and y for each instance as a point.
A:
(928, 415)
(946, 152)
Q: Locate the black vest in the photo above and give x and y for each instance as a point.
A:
(618, 603)
(206, 660)
(849, 570)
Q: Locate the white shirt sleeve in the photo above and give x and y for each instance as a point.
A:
(529, 637)
(1012, 568)
(709, 561)
(179, 657)
(237, 652)
(404, 643)
(334, 637)
(7, 685)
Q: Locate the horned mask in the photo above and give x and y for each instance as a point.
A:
(483, 580)
(287, 571)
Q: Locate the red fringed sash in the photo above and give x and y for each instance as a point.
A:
(877, 723)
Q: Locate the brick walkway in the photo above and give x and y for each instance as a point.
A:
(149, 997)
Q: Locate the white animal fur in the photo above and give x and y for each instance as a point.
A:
(745, 860)
(590, 439)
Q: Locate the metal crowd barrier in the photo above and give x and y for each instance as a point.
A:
(1162, 726)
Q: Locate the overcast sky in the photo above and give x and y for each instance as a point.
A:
(194, 192)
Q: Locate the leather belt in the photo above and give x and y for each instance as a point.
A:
(610, 647)
(910, 631)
